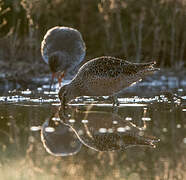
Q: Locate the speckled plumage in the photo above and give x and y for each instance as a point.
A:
(64, 44)
(104, 76)
(104, 131)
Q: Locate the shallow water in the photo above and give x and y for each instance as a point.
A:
(90, 139)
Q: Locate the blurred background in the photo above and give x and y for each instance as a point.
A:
(137, 30)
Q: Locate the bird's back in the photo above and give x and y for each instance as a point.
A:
(109, 67)
(107, 75)
(63, 39)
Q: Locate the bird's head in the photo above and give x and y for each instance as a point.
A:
(67, 93)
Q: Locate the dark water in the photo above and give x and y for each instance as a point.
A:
(90, 139)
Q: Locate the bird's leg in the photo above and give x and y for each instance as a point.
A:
(115, 104)
(60, 77)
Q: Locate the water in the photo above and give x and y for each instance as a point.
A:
(143, 139)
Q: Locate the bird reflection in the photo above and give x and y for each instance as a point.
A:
(105, 131)
(58, 139)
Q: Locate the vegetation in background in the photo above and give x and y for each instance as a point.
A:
(138, 30)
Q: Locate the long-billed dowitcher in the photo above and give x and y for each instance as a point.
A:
(63, 49)
(104, 76)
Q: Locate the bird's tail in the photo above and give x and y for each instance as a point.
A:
(138, 140)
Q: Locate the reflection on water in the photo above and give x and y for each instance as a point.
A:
(88, 128)
(105, 131)
(59, 139)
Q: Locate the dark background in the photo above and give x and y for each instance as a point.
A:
(137, 30)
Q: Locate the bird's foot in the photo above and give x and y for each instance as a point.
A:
(115, 104)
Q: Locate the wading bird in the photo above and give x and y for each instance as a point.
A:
(105, 76)
(63, 49)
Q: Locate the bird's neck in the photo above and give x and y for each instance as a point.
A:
(73, 92)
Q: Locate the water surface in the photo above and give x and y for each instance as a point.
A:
(39, 140)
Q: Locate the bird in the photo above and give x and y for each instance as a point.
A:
(63, 49)
(58, 139)
(105, 131)
(104, 76)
